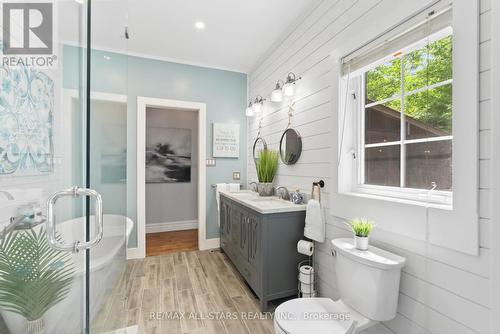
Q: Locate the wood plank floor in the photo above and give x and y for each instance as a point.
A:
(167, 242)
(202, 284)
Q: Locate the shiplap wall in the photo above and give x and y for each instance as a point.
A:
(441, 291)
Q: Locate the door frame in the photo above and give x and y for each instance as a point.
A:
(69, 96)
(495, 164)
(142, 104)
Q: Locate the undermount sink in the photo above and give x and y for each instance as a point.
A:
(266, 199)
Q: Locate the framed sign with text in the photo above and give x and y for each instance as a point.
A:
(226, 140)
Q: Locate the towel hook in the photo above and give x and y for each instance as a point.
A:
(316, 192)
(320, 183)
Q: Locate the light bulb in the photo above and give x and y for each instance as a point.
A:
(257, 108)
(258, 105)
(249, 111)
(200, 25)
(289, 89)
(277, 95)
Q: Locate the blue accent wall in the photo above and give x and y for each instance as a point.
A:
(224, 93)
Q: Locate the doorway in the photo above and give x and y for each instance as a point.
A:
(171, 180)
(171, 175)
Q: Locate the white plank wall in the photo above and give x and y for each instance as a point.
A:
(442, 291)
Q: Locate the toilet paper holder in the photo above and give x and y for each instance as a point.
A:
(306, 279)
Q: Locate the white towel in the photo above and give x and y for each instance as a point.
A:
(315, 222)
(219, 187)
(234, 187)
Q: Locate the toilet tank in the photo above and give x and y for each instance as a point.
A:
(368, 281)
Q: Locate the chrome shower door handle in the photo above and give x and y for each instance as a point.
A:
(51, 221)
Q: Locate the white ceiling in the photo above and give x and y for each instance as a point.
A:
(237, 34)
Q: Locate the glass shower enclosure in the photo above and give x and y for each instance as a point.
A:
(63, 176)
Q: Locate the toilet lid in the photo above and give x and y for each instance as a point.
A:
(313, 315)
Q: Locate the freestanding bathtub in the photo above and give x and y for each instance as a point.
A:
(108, 260)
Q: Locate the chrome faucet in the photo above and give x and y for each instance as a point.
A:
(28, 217)
(253, 188)
(285, 194)
(7, 194)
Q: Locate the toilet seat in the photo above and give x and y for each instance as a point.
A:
(318, 316)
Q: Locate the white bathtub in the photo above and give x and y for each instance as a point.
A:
(108, 260)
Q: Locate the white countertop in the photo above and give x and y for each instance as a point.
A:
(263, 205)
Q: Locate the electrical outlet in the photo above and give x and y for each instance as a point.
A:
(236, 176)
(211, 162)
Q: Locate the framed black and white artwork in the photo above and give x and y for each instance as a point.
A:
(168, 155)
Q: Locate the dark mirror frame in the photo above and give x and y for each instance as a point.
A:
(299, 146)
(255, 145)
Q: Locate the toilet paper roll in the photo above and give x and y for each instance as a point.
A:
(309, 295)
(306, 288)
(307, 279)
(306, 274)
(305, 247)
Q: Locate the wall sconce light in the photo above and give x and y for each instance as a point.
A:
(277, 94)
(249, 110)
(258, 105)
(289, 86)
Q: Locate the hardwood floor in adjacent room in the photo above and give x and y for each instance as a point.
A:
(203, 284)
(168, 242)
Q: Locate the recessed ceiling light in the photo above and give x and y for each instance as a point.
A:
(199, 25)
(107, 57)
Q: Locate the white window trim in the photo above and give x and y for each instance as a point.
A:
(455, 227)
(443, 199)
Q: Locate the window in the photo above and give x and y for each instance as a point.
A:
(407, 116)
(403, 110)
(407, 121)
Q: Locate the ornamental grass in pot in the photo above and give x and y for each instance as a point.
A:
(266, 165)
(361, 227)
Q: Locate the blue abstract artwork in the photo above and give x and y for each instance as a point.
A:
(26, 121)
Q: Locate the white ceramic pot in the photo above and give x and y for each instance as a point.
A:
(361, 243)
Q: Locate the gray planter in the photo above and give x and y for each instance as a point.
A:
(265, 189)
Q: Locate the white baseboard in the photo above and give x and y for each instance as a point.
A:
(127, 330)
(209, 244)
(171, 226)
(135, 253)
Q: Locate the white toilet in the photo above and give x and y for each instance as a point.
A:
(368, 285)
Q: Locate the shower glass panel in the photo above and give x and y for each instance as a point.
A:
(108, 164)
(63, 125)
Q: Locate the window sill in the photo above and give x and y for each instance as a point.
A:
(441, 200)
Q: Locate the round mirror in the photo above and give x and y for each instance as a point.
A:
(258, 146)
(290, 146)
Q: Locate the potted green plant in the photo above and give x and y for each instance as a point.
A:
(266, 165)
(33, 276)
(361, 227)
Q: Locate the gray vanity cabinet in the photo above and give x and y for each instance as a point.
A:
(244, 235)
(262, 247)
(226, 222)
(254, 246)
